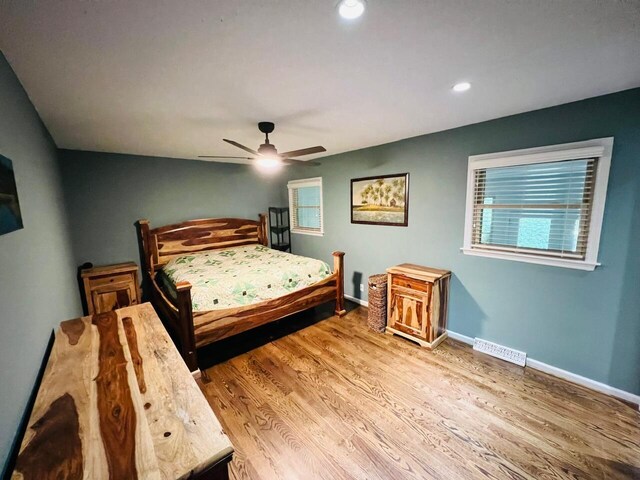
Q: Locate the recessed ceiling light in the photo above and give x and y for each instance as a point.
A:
(461, 87)
(351, 9)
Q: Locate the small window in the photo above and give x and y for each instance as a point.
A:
(305, 206)
(542, 205)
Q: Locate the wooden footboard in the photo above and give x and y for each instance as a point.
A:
(159, 245)
(218, 324)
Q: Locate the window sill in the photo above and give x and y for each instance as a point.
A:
(523, 257)
(307, 232)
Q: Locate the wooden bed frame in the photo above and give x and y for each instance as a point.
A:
(196, 329)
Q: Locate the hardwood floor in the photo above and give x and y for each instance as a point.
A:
(334, 400)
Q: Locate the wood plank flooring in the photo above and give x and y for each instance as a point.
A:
(334, 400)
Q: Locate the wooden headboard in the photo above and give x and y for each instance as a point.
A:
(159, 245)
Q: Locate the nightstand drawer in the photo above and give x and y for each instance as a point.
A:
(410, 283)
(110, 280)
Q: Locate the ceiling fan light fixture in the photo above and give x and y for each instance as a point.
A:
(351, 9)
(266, 158)
(268, 163)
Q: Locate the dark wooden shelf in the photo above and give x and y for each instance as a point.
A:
(279, 228)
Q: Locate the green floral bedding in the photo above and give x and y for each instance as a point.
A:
(243, 275)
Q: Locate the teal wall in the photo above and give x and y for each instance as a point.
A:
(37, 273)
(107, 193)
(584, 322)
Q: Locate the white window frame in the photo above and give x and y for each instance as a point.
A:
(600, 148)
(305, 182)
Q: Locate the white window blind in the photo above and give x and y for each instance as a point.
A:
(541, 205)
(305, 206)
(541, 209)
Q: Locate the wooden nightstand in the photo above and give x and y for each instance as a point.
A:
(110, 287)
(417, 303)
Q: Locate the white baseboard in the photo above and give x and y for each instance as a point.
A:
(584, 381)
(460, 337)
(364, 303)
(564, 374)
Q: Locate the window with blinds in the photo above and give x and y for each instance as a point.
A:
(539, 205)
(305, 206)
(539, 209)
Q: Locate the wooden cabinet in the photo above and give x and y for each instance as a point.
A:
(110, 287)
(418, 299)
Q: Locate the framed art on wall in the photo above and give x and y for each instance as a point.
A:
(10, 216)
(381, 200)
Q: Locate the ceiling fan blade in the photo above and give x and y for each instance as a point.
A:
(236, 144)
(220, 156)
(295, 161)
(303, 151)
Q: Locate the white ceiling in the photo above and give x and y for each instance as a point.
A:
(172, 78)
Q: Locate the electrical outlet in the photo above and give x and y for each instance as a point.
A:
(361, 287)
(500, 351)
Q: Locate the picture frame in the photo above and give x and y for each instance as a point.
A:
(380, 200)
(10, 214)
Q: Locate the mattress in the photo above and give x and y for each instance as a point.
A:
(243, 275)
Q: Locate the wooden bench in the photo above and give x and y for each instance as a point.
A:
(117, 401)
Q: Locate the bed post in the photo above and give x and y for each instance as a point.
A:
(145, 245)
(338, 269)
(263, 238)
(185, 326)
(144, 248)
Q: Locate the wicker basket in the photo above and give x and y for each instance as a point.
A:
(377, 319)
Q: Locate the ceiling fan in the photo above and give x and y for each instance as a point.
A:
(267, 155)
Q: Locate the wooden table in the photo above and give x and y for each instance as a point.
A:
(117, 401)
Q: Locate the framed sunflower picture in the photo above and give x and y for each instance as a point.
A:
(381, 200)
